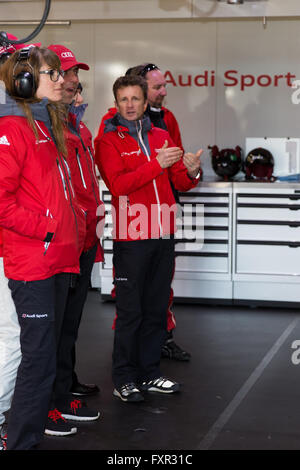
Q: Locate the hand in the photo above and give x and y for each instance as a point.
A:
(168, 156)
(192, 162)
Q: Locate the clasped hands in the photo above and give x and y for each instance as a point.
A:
(167, 156)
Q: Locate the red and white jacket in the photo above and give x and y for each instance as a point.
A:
(83, 171)
(37, 199)
(169, 118)
(140, 188)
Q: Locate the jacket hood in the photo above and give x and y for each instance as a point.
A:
(118, 121)
(136, 129)
(10, 107)
(77, 112)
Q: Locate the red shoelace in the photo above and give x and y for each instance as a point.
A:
(55, 415)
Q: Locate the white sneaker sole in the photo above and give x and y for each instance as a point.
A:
(80, 418)
(159, 390)
(49, 432)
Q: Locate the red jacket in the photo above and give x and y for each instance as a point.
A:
(82, 166)
(169, 118)
(1, 243)
(140, 188)
(36, 199)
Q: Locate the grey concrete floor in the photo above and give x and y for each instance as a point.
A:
(240, 389)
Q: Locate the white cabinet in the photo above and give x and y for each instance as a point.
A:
(266, 240)
(247, 248)
(205, 273)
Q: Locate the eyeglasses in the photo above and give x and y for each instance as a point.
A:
(54, 74)
(147, 69)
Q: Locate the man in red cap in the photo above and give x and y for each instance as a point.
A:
(85, 183)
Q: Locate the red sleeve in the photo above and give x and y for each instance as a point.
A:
(117, 178)
(14, 216)
(110, 114)
(173, 128)
(180, 178)
(1, 243)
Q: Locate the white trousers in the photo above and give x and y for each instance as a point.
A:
(10, 352)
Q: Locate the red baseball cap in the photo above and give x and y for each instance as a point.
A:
(67, 58)
(11, 48)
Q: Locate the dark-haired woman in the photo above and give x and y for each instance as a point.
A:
(44, 229)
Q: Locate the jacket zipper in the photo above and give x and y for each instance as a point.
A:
(65, 182)
(89, 170)
(70, 195)
(47, 244)
(80, 169)
(139, 131)
(62, 178)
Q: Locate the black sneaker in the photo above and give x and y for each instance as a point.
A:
(77, 410)
(129, 393)
(171, 350)
(3, 436)
(160, 385)
(81, 390)
(57, 425)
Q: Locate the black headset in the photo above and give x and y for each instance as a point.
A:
(24, 83)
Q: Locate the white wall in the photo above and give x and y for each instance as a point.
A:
(207, 115)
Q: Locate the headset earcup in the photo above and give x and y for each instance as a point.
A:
(25, 85)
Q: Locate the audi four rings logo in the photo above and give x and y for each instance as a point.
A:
(67, 54)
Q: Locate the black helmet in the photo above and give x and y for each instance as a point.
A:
(227, 162)
(259, 164)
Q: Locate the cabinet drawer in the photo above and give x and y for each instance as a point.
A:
(266, 231)
(270, 213)
(202, 264)
(209, 246)
(267, 259)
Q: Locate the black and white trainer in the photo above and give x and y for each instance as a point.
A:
(77, 410)
(3, 436)
(161, 385)
(57, 425)
(129, 393)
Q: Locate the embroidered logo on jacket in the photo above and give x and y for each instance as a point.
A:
(4, 141)
(134, 152)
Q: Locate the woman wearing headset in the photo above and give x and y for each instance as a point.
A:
(44, 229)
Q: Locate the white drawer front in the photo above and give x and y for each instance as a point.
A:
(267, 259)
(257, 213)
(268, 232)
(202, 264)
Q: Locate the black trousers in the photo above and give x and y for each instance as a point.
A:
(40, 307)
(143, 275)
(69, 329)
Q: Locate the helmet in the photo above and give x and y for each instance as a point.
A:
(259, 164)
(227, 162)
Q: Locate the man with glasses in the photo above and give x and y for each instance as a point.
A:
(163, 118)
(85, 184)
